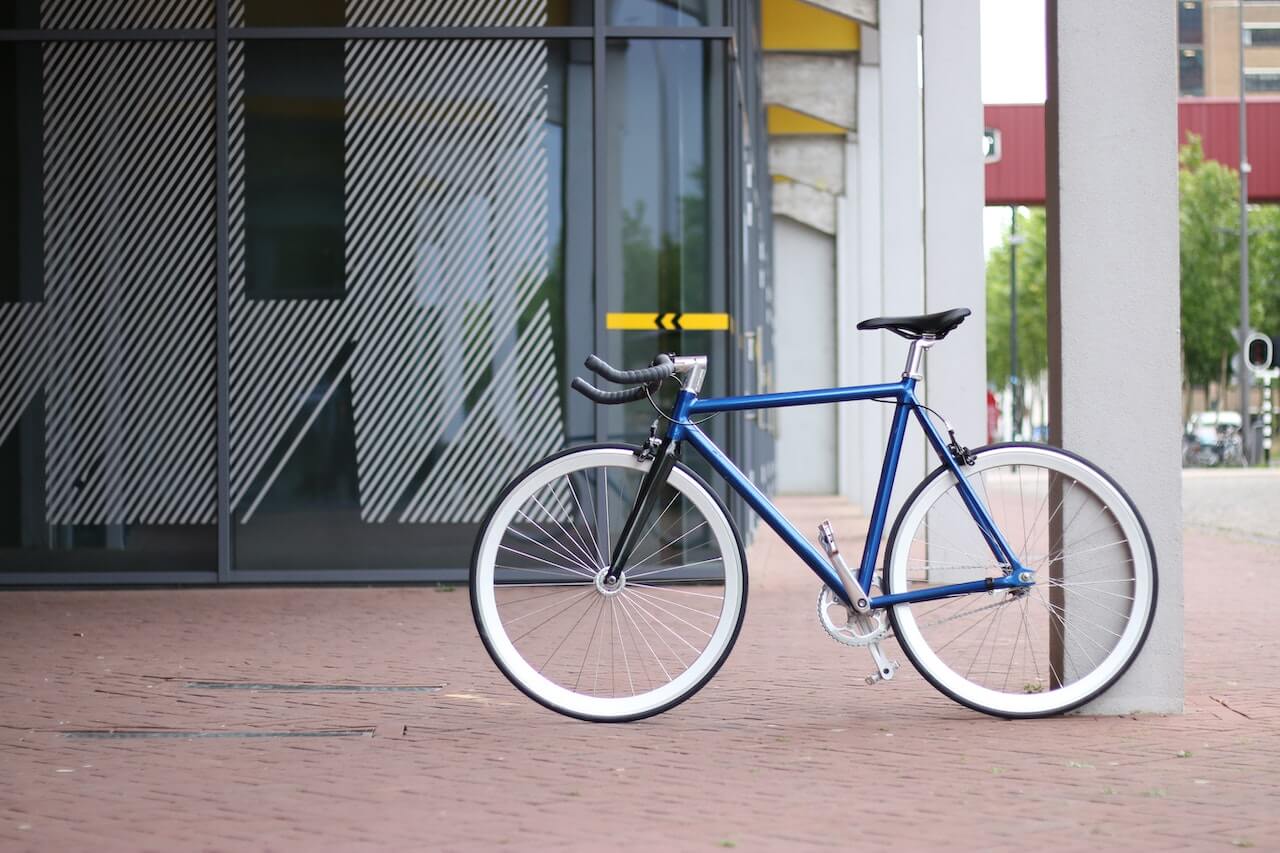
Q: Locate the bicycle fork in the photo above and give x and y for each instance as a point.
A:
(663, 454)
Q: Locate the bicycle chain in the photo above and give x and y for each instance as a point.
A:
(885, 631)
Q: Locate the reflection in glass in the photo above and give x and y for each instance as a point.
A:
(659, 244)
(395, 13)
(382, 413)
(1190, 72)
(21, 258)
(108, 307)
(294, 170)
(665, 13)
(290, 13)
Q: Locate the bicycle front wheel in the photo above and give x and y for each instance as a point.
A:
(582, 647)
(1039, 650)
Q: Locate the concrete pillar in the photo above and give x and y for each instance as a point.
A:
(955, 270)
(864, 422)
(1111, 162)
(901, 200)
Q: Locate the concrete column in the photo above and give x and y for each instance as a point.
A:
(955, 270)
(901, 200)
(1111, 162)
(867, 419)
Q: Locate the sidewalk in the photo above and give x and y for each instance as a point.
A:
(786, 747)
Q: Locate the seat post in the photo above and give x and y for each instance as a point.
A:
(915, 356)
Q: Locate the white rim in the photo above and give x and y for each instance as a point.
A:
(910, 635)
(548, 691)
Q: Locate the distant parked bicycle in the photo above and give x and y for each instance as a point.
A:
(609, 582)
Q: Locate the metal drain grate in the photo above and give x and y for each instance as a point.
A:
(315, 688)
(91, 734)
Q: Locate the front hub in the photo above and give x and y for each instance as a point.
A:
(610, 587)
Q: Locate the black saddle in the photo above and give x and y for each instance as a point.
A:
(931, 325)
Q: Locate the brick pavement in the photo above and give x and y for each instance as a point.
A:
(785, 748)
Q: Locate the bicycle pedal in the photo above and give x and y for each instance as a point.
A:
(884, 674)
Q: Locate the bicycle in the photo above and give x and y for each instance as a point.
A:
(1019, 579)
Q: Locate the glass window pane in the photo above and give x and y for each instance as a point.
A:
(1264, 81)
(371, 425)
(665, 13)
(1190, 22)
(1257, 36)
(293, 118)
(107, 400)
(393, 13)
(21, 258)
(101, 15)
(1191, 72)
(664, 206)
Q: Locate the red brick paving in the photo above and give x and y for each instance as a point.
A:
(785, 748)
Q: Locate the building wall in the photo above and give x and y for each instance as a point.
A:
(1222, 52)
(805, 336)
(296, 307)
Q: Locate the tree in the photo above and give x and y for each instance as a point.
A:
(1264, 249)
(1209, 222)
(1033, 346)
(1209, 250)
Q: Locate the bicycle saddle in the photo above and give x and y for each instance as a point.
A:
(935, 325)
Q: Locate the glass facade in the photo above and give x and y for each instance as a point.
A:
(292, 289)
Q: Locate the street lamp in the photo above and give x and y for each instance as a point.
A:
(1015, 393)
(1244, 250)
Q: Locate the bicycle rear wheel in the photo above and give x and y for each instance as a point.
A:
(1044, 649)
(583, 648)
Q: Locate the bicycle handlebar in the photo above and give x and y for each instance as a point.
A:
(662, 368)
(608, 398)
(648, 377)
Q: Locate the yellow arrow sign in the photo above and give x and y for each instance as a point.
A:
(667, 321)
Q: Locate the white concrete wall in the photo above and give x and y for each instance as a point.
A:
(955, 269)
(901, 210)
(805, 346)
(865, 422)
(1111, 148)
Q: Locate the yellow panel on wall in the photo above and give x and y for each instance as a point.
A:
(795, 25)
(784, 121)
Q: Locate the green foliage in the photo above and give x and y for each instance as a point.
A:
(1209, 249)
(1264, 249)
(1209, 222)
(1032, 291)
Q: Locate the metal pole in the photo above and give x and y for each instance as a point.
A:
(1245, 377)
(1267, 409)
(1015, 393)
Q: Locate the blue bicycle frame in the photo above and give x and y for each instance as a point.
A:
(688, 406)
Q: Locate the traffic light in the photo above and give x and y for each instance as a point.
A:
(1260, 351)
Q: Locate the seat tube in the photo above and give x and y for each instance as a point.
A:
(888, 471)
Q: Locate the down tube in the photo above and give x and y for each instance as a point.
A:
(761, 504)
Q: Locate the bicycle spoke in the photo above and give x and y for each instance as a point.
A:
(623, 646)
(563, 569)
(566, 636)
(671, 588)
(653, 572)
(661, 637)
(651, 597)
(636, 628)
(587, 653)
(557, 552)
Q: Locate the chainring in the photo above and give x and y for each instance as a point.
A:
(847, 627)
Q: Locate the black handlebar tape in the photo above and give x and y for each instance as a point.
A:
(644, 375)
(608, 398)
